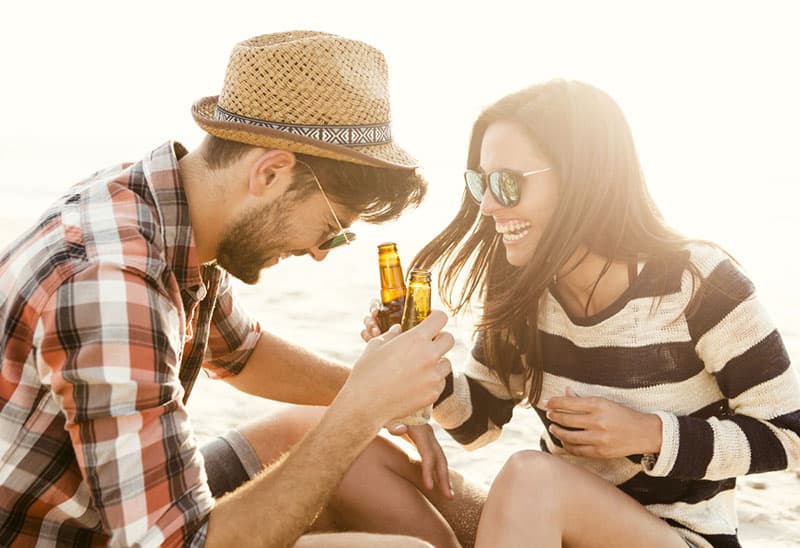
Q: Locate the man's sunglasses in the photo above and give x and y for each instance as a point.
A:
(503, 184)
(344, 237)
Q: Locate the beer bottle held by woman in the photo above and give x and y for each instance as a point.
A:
(417, 308)
(393, 288)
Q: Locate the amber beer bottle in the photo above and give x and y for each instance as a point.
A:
(393, 288)
(417, 308)
(418, 299)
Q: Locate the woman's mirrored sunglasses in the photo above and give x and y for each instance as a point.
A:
(503, 184)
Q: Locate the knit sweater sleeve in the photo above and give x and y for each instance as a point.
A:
(741, 347)
(475, 404)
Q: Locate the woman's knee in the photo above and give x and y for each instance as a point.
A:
(530, 472)
(526, 492)
(276, 433)
(380, 460)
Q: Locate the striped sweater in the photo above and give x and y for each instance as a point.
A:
(720, 380)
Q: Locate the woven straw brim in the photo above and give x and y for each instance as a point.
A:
(387, 155)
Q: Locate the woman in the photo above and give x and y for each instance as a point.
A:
(655, 370)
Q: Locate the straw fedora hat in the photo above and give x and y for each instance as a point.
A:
(307, 92)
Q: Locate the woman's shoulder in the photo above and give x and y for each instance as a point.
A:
(708, 257)
(698, 265)
(723, 282)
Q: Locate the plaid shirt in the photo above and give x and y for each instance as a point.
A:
(106, 318)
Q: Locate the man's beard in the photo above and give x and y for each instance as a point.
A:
(255, 238)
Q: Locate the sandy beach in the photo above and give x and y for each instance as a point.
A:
(321, 305)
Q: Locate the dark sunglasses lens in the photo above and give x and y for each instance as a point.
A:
(474, 185)
(338, 240)
(504, 187)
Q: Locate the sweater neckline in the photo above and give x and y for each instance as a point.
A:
(612, 309)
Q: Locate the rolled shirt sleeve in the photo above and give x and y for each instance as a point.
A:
(110, 351)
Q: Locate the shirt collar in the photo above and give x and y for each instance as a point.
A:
(161, 172)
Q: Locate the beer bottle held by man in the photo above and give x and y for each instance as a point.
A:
(417, 308)
(393, 287)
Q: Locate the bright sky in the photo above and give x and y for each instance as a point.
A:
(710, 89)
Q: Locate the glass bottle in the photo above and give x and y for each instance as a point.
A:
(417, 308)
(393, 288)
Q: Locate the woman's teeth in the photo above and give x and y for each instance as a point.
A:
(514, 231)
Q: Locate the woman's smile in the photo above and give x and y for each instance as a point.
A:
(512, 231)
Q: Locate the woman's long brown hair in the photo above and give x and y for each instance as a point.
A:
(603, 204)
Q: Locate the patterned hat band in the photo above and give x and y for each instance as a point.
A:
(373, 134)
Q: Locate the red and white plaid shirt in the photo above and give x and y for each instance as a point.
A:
(106, 318)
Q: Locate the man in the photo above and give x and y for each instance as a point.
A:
(113, 302)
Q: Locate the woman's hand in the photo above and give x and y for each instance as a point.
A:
(434, 461)
(371, 328)
(602, 428)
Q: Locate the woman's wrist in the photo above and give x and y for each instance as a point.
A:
(652, 437)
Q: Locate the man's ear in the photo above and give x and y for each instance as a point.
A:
(267, 167)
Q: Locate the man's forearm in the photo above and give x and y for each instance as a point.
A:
(282, 371)
(396, 374)
(281, 503)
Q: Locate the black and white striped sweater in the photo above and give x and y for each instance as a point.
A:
(720, 380)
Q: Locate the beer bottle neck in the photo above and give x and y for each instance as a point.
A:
(393, 286)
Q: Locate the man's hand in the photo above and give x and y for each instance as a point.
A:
(399, 373)
(602, 428)
(434, 462)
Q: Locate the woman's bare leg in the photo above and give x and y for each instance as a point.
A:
(539, 500)
(404, 502)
